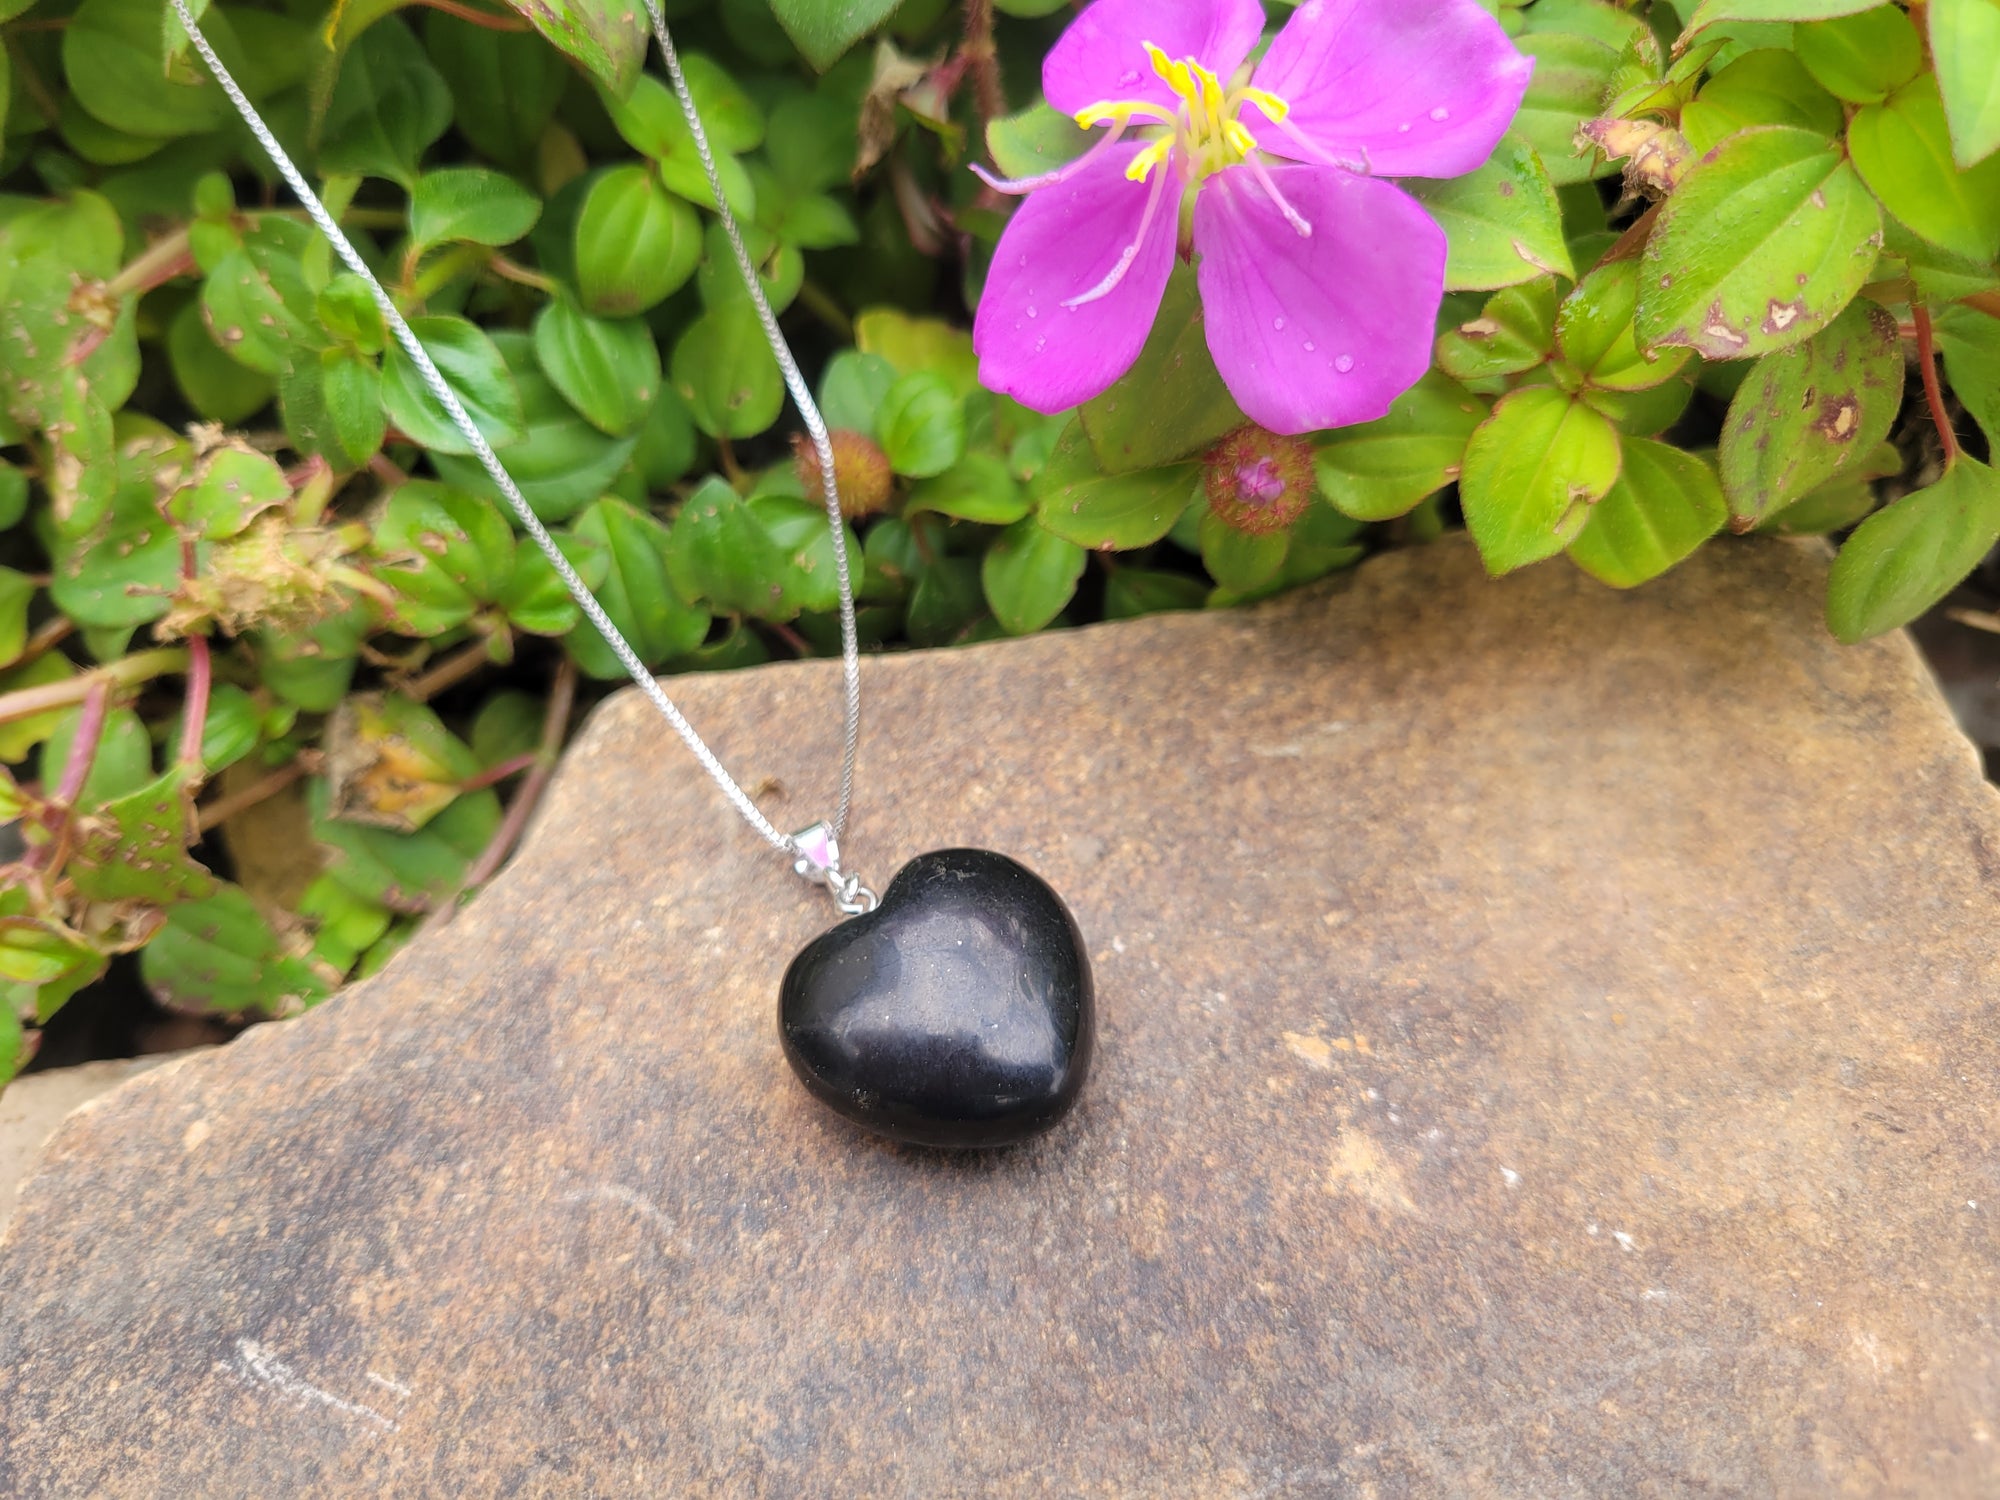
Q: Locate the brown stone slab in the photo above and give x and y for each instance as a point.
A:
(1548, 1049)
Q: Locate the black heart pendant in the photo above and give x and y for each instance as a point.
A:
(958, 1013)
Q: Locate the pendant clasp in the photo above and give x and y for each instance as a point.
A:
(819, 862)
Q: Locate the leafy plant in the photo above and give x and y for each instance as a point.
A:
(257, 599)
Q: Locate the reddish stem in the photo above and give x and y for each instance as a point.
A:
(495, 774)
(222, 809)
(195, 719)
(83, 748)
(1933, 391)
(477, 17)
(562, 698)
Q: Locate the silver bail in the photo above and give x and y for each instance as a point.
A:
(819, 861)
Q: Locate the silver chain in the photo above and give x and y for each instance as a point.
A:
(530, 522)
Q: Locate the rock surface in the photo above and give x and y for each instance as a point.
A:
(31, 1108)
(1549, 1045)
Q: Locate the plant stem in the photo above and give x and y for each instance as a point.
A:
(195, 719)
(222, 809)
(48, 635)
(454, 669)
(989, 99)
(83, 748)
(513, 270)
(484, 18)
(159, 263)
(1986, 302)
(1933, 391)
(818, 301)
(562, 698)
(495, 774)
(128, 671)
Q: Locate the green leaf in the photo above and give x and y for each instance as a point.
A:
(41, 951)
(351, 396)
(1594, 333)
(1643, 413)
(234, 727)
(1971, 344)
(13, 496)
(1036, 141)
(115, 567)
(258, 308)
(505, 85)
(410, 872)
(1171, 402)
(851, 390)
(946, 603)
(719, 552)
(1808, 412)
(1572, 75)
(636, 592)
(1965, 44)
(1905, 558)
(1080, 502)
(388, 105)
(921, 425)
(636, 243)
(781, 269)
(18, 737)
(607, 36)
(911, 344)
(1029, 574)
(218, 956)
(1239, 561)
(478, 376)
(1767, 87)
(1132, 592)
(13, 1044)
(667, 441)
(609, 371)
(134, 847)
(1379, 470)
(231, 487)
(471, 204)
(979, 487)
(444, 552)
(219, 388)
(1709, 12)
(1665, 504)
(539, 602)
(1767, 238)
(811, 142)
(1940, 276)
(723, 370)
(1502, 222)
(808, 581)
(1596, 19)
(115, 65)
(823, 29)
(1515, 331)
(343, 924)
(652, 122)
(1864, 57)
(1831, 507)
(1532, 471)
(17, 592)
(563, 463)
(1902, 149)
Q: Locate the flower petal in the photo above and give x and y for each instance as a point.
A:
(1411, 88)
(1103, 54)
(1065, 242)
(1318, 330)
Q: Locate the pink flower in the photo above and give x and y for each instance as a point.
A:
(1319, 281)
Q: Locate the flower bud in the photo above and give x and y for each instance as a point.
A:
(859, 467)
(1257, 481)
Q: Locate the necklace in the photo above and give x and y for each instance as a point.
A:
(956, 1009)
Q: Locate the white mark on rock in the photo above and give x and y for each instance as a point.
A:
(1654, 1294)
(1509, 1176)
(612, 1192)
(1624, 1240)
(395, 1386)
(1591, 1230)
(194, 1135)
(258, 1366)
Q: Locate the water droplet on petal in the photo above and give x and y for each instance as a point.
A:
(1031, 312)
(1405, 126)
(1278, 325)
(1309, 346)
(1129, 77)
(1040, 345)
(1344, 363)
(1440, 113)
(1024, 260)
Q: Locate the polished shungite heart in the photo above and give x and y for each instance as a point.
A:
(958, 1013)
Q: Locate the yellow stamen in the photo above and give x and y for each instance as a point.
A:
(1274, 108)
(1151, 157)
